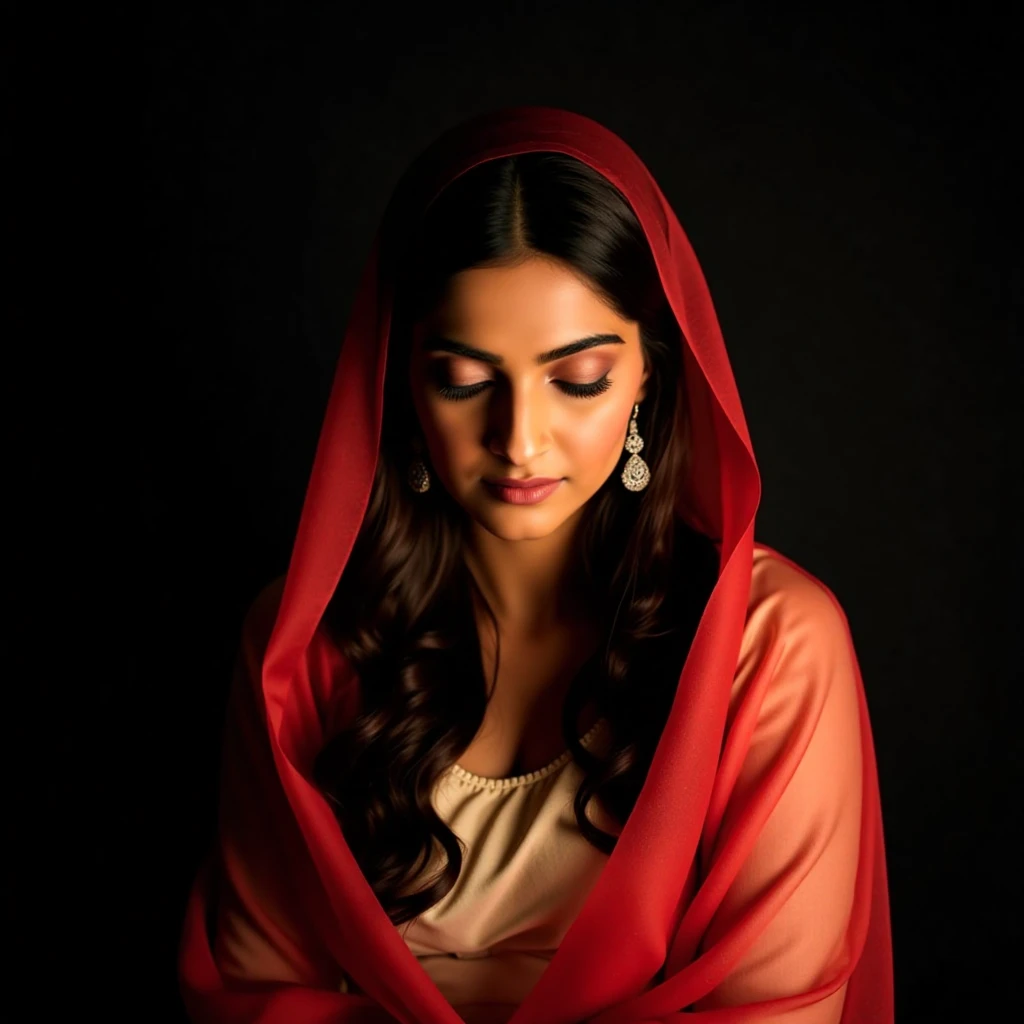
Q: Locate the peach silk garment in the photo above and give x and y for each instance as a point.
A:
(749, 881)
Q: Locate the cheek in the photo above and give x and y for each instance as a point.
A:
(452, 436)
(598, 438)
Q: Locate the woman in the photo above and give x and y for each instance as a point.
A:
(504, 749)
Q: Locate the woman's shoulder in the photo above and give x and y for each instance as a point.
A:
(793, 621)
(320, 654)
(789, 593)
(322, 674)
(261, 616)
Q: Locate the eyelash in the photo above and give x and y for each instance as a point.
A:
(455, 393)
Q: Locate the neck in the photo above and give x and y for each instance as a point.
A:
(532, 586)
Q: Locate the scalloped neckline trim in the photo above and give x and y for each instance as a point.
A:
(513, 781)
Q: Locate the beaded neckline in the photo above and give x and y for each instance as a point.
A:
(514, 781)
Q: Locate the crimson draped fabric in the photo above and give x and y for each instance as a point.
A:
(749, 881)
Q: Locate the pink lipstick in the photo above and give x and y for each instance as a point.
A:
(522, 492)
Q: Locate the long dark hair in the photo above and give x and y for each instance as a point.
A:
(402, 613)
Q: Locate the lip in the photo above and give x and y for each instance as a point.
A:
(533, 481)
(523, 492)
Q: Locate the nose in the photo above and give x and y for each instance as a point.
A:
(518, 426)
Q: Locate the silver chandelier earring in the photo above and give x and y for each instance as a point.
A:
(636, 474)
(418, 477)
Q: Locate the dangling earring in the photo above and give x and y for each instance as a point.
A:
(418, 477)
(636, 474)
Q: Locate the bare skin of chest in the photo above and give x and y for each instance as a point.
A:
(522, 727)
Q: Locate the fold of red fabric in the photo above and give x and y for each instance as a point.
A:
(749, 878)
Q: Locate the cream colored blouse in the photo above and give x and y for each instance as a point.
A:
(794, 737)
(526, 873)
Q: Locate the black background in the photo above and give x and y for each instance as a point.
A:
(201, 186)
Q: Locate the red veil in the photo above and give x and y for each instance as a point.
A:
(749, 881)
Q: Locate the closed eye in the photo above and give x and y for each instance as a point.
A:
(458, 393)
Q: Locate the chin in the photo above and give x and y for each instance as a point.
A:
(515, 525)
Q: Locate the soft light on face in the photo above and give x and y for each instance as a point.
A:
(499, 413)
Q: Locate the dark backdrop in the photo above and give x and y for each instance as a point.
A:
(845, 181)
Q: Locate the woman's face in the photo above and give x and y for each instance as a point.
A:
(495, 400)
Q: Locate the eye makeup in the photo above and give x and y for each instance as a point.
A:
(441, 372)
(457, 393)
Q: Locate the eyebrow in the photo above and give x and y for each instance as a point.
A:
(437, 343)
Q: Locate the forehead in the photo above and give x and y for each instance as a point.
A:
(538, 298)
